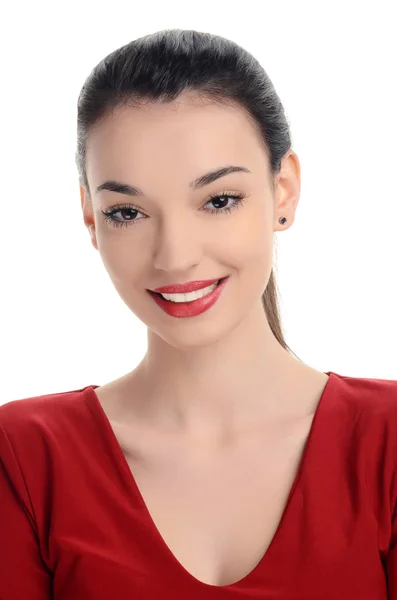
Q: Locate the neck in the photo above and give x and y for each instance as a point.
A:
(226, 385)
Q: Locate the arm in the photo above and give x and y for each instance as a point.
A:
(23, 573)
(391, 565)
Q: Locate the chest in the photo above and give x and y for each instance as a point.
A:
(217, 513)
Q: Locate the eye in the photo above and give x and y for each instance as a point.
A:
(221, 201)
(129, 212)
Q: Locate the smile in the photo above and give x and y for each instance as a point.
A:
(191, 296)
(189, 304)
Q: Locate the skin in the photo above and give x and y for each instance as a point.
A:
(223, 371)
(214, 419)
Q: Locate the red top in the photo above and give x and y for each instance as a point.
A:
(74, 526)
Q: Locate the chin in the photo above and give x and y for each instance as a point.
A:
(190, 334)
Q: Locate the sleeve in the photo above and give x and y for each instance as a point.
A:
(391, 565)
(23, 573)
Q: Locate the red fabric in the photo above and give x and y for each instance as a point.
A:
(73, 525)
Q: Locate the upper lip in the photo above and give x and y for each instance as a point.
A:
(185, 288)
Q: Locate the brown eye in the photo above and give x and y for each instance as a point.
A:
(220, 202)
(128, 213)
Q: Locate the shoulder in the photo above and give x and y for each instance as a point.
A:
(369, 441)
(40, 436)
(367, 397)
(38, 415)
(366, 420)
(41, 439)
(362, 413)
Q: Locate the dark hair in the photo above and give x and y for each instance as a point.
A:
(160, 66)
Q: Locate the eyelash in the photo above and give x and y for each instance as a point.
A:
(109, 214)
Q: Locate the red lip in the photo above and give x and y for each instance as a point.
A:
(189, 309)
(184, 288)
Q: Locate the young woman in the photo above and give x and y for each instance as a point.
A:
(222, 467)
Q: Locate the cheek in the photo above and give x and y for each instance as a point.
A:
(123, 259)
(248, 242)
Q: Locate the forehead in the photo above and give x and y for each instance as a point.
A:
(186, 137)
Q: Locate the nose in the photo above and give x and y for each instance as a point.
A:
(177, 247)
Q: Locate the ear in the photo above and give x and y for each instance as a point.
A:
(287, 191)
(88, 215)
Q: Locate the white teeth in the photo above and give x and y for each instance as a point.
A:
(191, 295)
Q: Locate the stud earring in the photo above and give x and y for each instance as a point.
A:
(282, 220)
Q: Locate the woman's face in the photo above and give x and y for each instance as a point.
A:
(175, 232)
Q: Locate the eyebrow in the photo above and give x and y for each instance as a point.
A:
(206, 179)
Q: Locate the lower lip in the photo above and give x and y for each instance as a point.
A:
(189, 309)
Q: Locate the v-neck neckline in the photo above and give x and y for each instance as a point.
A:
(93, 403)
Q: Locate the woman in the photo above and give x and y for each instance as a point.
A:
(222, 466)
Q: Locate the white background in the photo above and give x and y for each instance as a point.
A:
(63, 326)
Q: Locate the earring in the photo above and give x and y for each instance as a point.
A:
(282, 220)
